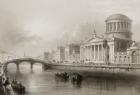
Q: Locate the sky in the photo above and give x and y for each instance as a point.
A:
(33, 26)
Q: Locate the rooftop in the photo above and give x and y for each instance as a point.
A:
(118, 17)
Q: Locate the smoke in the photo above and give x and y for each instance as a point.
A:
(79, 33)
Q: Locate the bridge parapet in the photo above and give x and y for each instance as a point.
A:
(31, 61)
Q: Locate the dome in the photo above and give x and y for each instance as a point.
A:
(118, 17)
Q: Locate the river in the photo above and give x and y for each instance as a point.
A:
(41, 82)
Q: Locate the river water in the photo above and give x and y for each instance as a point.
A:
(41, 82)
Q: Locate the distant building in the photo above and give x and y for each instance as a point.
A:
(67, 56)
(74, 52)
(69, 53)
(59, 54)
(115, 46)
(47, 56)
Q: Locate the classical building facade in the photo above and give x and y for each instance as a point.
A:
(58, 55)
(115, 46)
(72, 52)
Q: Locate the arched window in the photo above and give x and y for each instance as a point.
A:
(134, 57)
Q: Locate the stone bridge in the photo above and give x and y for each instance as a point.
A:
(31, 61)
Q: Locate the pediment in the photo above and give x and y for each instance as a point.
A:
(94, 39)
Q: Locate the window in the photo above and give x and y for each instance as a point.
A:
(134, 57)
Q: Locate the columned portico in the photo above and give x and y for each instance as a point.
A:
(93, 52)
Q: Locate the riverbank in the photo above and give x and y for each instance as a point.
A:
(44, 83)
(100, 69)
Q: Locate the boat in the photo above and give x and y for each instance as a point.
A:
(18, 87)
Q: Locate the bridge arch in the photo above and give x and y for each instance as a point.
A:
(31, 61)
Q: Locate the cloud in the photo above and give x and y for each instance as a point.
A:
(12, 33)
(53, 22)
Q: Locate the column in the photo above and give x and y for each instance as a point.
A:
(83, 57)
(17, 67)
(108, 27)
(137, 57)
(91, 53)
(122, 26)
(116, 26)
(86, 52)
(98, 52)
(129, 25)
(110, 51)
(125, 25)
(102, 53)
(94, 52)
(82, 51)
(113, 53)
(112, 26)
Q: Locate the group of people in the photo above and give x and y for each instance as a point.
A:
(5, 86)
(17, 86)
(73, 77)
(62, 76)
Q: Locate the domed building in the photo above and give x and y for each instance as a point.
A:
(116, 46)
(119, 26)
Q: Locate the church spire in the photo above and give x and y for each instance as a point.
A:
(94, 33)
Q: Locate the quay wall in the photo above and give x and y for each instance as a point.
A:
(133, 69)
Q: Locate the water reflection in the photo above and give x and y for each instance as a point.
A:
(43, 83)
